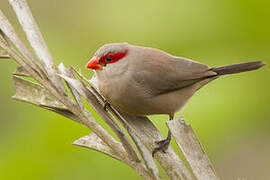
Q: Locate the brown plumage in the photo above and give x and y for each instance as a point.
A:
(149, 81)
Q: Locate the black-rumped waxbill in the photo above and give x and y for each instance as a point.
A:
(142, 81)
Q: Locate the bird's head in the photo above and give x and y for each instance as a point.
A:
(108, 54)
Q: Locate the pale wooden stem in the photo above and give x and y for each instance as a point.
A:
(192, 149)
(95, 143)
(84, 116)
(3, 54)
(148, 134)
(9, 31)
(36, 40)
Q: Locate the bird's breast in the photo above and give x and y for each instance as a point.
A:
(128, 97)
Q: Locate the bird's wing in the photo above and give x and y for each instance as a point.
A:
(163, 73)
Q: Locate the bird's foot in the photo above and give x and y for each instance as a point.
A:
(162, 145)
(106, 105)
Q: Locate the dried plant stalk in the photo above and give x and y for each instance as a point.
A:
(192, 149)
(3, 54)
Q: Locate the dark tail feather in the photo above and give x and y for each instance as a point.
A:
(237, 68)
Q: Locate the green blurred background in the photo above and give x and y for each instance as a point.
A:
(231, 115)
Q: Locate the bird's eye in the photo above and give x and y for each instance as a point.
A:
(108, 59)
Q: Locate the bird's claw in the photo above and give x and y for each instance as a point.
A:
(106, 105)
(162, 146)
(161, 141)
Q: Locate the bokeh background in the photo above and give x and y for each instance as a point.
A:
(231, 115)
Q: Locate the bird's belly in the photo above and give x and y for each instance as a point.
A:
(172, 102)
(130, 100)
(125, 99)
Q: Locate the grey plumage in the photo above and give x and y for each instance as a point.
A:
(144, 81)
(149, 81)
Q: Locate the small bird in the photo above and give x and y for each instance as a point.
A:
(143, 81)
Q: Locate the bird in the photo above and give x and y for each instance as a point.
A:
(143, 81)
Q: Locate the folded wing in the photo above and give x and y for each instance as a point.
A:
(164, 73)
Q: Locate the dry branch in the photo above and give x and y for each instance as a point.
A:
(192, 149)
(20, 71)
(93, 142)
(10, 32)
(36, 40)
(33, 93)
(148, 134)
(3, 54)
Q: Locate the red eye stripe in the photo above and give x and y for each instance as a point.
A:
(114, 57)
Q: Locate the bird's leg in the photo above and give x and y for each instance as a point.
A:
(163, 144)
(106, 105)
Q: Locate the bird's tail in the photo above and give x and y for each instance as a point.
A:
(237, 68)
